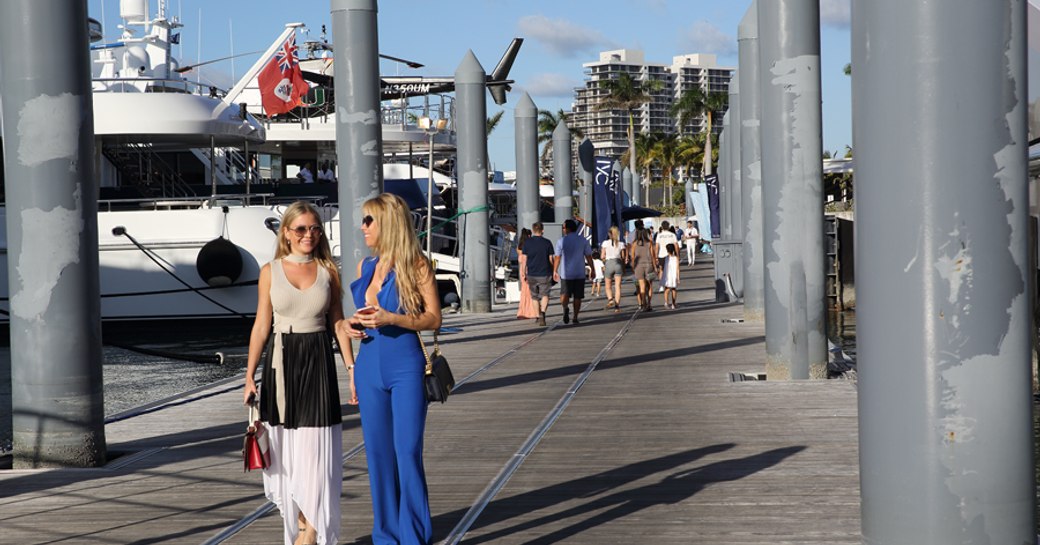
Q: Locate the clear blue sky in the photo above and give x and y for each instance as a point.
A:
(559, 36)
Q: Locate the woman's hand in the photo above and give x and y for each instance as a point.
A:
(353, 390)
(346, 327)
(250, 392)
(374, 318)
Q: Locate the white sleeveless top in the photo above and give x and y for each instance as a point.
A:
(611, 250)
(295, 311)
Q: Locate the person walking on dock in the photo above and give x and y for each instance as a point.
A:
(665, 236)
(596, 273)
(690, 236)
(638, 224)
(300, 405)
(642, 256)
(670, 276)
(528, 307)
(538, 254)
(573, 253)
(613, 253)
(396, 297)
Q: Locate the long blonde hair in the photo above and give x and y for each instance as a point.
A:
(322, 253)
(398, 245)
(614, 235)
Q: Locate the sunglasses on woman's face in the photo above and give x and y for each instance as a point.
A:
(303, 229)
(367, 220)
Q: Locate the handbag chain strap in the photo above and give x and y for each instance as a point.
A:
(436, 350)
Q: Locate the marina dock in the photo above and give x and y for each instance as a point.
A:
(626, 428)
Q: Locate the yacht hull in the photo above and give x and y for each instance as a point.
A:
(159, 279)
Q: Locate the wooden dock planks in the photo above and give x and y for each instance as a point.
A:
(657, 446)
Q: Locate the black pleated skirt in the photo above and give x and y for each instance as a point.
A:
(311, 388)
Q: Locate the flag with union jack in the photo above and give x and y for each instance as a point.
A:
(281, 82)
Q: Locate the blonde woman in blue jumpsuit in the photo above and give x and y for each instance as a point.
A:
(396, 287)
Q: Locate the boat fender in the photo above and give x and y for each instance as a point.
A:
(219, 262)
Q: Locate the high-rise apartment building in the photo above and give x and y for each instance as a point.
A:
(608, 129)
(700, 71)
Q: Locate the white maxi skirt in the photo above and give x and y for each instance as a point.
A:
(306, 474)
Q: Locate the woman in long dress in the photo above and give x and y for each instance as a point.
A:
(527, 308)
(396, 297)
(300, 403)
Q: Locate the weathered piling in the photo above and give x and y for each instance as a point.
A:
(750, 165)
(359, 130)
(791, 139)
(52, 244)
(471, 129)
(944, 302)
(736, 191)
(526, 127)
(563, 177)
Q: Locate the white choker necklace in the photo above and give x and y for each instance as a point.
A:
(299, 258)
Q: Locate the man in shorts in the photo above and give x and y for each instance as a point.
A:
(573, 252)
(539, 252)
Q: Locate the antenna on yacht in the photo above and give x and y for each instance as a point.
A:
(103, 36)
(198, 52)
(180, 17)
(231, 38)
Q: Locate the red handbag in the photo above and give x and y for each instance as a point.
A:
(255, 447)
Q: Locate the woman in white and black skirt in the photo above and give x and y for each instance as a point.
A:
(299, 298)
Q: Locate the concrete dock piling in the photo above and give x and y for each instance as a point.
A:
(526, 127)
(359, 131)
(471, 130)
(750, 165)
(791, 139)
(944, 306)
(52, 237)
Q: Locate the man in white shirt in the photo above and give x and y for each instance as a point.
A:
(690, 237)
(305, 174)
(326, 174)
(664, 237)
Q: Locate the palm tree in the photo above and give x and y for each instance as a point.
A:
(696, 102)
(492, 122)
(644, 159)
(626, 94)
(690, 153)
(666, 153)
(547, 123)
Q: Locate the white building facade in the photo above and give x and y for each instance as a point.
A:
(608, 129)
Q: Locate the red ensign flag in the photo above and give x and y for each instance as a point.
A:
(281, 83)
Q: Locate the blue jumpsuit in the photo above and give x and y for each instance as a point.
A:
(388, 376)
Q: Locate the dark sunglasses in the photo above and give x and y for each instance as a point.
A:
(367, 220)
(302, 230)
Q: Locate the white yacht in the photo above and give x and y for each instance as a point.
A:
(156, 135)
(307, 134)
(193, 178)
